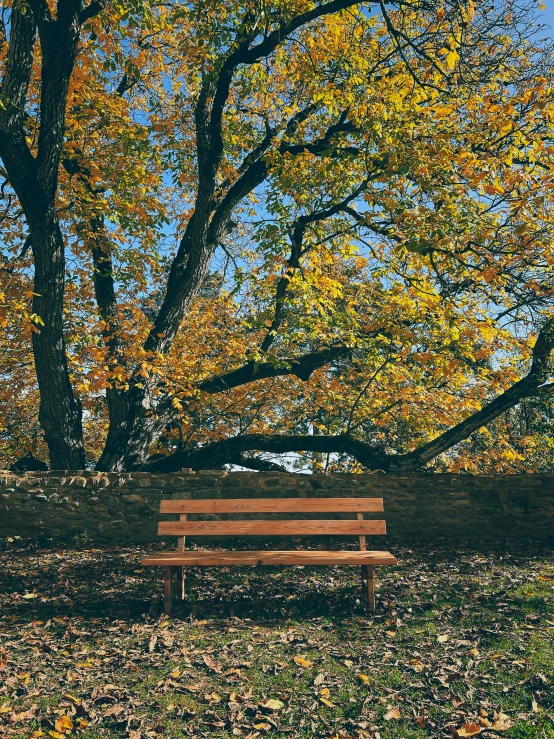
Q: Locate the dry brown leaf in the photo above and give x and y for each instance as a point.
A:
(273, 704)
(469, 729)
(72, 698)
(209, 662)
(394, 713)
(502, 722)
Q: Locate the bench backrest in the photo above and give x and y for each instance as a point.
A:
(260, 527)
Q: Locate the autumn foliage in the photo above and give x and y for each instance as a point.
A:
(233, 230)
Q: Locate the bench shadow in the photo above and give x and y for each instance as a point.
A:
(109, 584)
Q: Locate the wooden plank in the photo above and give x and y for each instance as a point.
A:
(274, 505)
(181, 548)
(168, 572)
(299, 557)
(360, 517)
(370, 589)
(181, 539)
(270, 528)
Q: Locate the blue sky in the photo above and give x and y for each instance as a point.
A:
(548, 14)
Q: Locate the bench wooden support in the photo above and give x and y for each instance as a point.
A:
(168, 600)
(177, 560)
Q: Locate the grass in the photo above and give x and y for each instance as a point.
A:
(462, 641)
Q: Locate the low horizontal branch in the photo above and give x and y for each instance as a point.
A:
(302, 367)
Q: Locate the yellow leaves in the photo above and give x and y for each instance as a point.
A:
(63, 724)
(494, 189)
(302, 662)
(328, 703)
(469, 729)
(273, 704)
(451, 59)
(364, 678)
(443, 638)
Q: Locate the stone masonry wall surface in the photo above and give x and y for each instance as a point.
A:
(123, 507)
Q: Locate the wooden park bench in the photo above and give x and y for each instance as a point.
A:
(174, 560)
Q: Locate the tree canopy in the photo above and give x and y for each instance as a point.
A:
(236, 230)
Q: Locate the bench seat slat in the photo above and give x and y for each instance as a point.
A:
(270, 528)
(274, 505)
(233, 558)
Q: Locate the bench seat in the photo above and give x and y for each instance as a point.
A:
(292, 557)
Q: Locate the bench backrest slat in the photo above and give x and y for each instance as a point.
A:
(274, 505)
(271, 528)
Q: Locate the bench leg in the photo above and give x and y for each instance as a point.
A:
(368, 586)
(168, 572)
(183, 578)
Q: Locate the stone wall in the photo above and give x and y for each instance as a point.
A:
(123, 507)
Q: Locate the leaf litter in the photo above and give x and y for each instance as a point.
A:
(287, 652)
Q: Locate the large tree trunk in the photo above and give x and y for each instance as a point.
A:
(60, 411)
(129, 442)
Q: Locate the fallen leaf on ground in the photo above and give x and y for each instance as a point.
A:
(303, 662)
(273, 704)
(209, 662)
(394, 713)
(470, 729)
(327, 702)
(502, 722)
(63, 724)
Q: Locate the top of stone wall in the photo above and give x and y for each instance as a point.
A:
(68, 475)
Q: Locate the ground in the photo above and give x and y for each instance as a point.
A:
(461, 645)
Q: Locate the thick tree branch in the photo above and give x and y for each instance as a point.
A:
(92, 10)
(214, 456)
(302, 367)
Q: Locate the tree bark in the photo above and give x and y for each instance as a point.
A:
(34, 180)
(60, 411)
